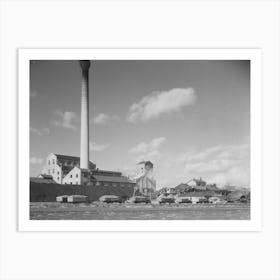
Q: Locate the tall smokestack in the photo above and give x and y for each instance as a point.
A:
(84, 156)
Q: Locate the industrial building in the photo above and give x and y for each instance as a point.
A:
(66, 170)
(70, 170)
(145, 181)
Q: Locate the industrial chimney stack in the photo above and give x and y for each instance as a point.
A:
(84, 153)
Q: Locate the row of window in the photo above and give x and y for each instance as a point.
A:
(71, 163)
(53, 161)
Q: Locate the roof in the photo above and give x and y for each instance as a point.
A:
(183, 186)
(66, 169)
(146, 163)
(73, 158)
(42, 180)
(106, 172)
(139, 176)
(65, 157)
(113, 179)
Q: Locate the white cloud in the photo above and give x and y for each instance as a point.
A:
(221, 164)
(35, 160)
(44, 131)
(153, 156)
(158, 103)
(148, 151)
(104, 119)
(98, 147)
(151, 146)
(66, 119)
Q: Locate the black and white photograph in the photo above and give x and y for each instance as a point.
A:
(140, 139)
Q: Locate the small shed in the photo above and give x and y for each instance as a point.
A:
(77, 198)
(62, 198)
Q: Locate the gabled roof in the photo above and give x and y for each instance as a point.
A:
(66, 169)
(65, 157)
(113, 179)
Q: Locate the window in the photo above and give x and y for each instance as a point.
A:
(53, 171)
(77, 183)
(57, 178)
(77, 175)
(57, 172)
(53, 161)
(71, 176)
(49, 162)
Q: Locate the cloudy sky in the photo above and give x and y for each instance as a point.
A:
(190, 118)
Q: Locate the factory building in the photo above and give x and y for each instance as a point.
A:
(145, 182)
(60, 167)
(66, 170)
(69, 170)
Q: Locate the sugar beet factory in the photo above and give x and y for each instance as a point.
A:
(70, 179)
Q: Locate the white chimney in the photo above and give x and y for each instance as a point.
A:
(84, 152)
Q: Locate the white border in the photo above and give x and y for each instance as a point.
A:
(25, 55)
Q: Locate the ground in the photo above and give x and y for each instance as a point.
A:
(98, 211)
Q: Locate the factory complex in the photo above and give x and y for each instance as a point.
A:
(66, 170)
(80, 171)
(65, 175)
